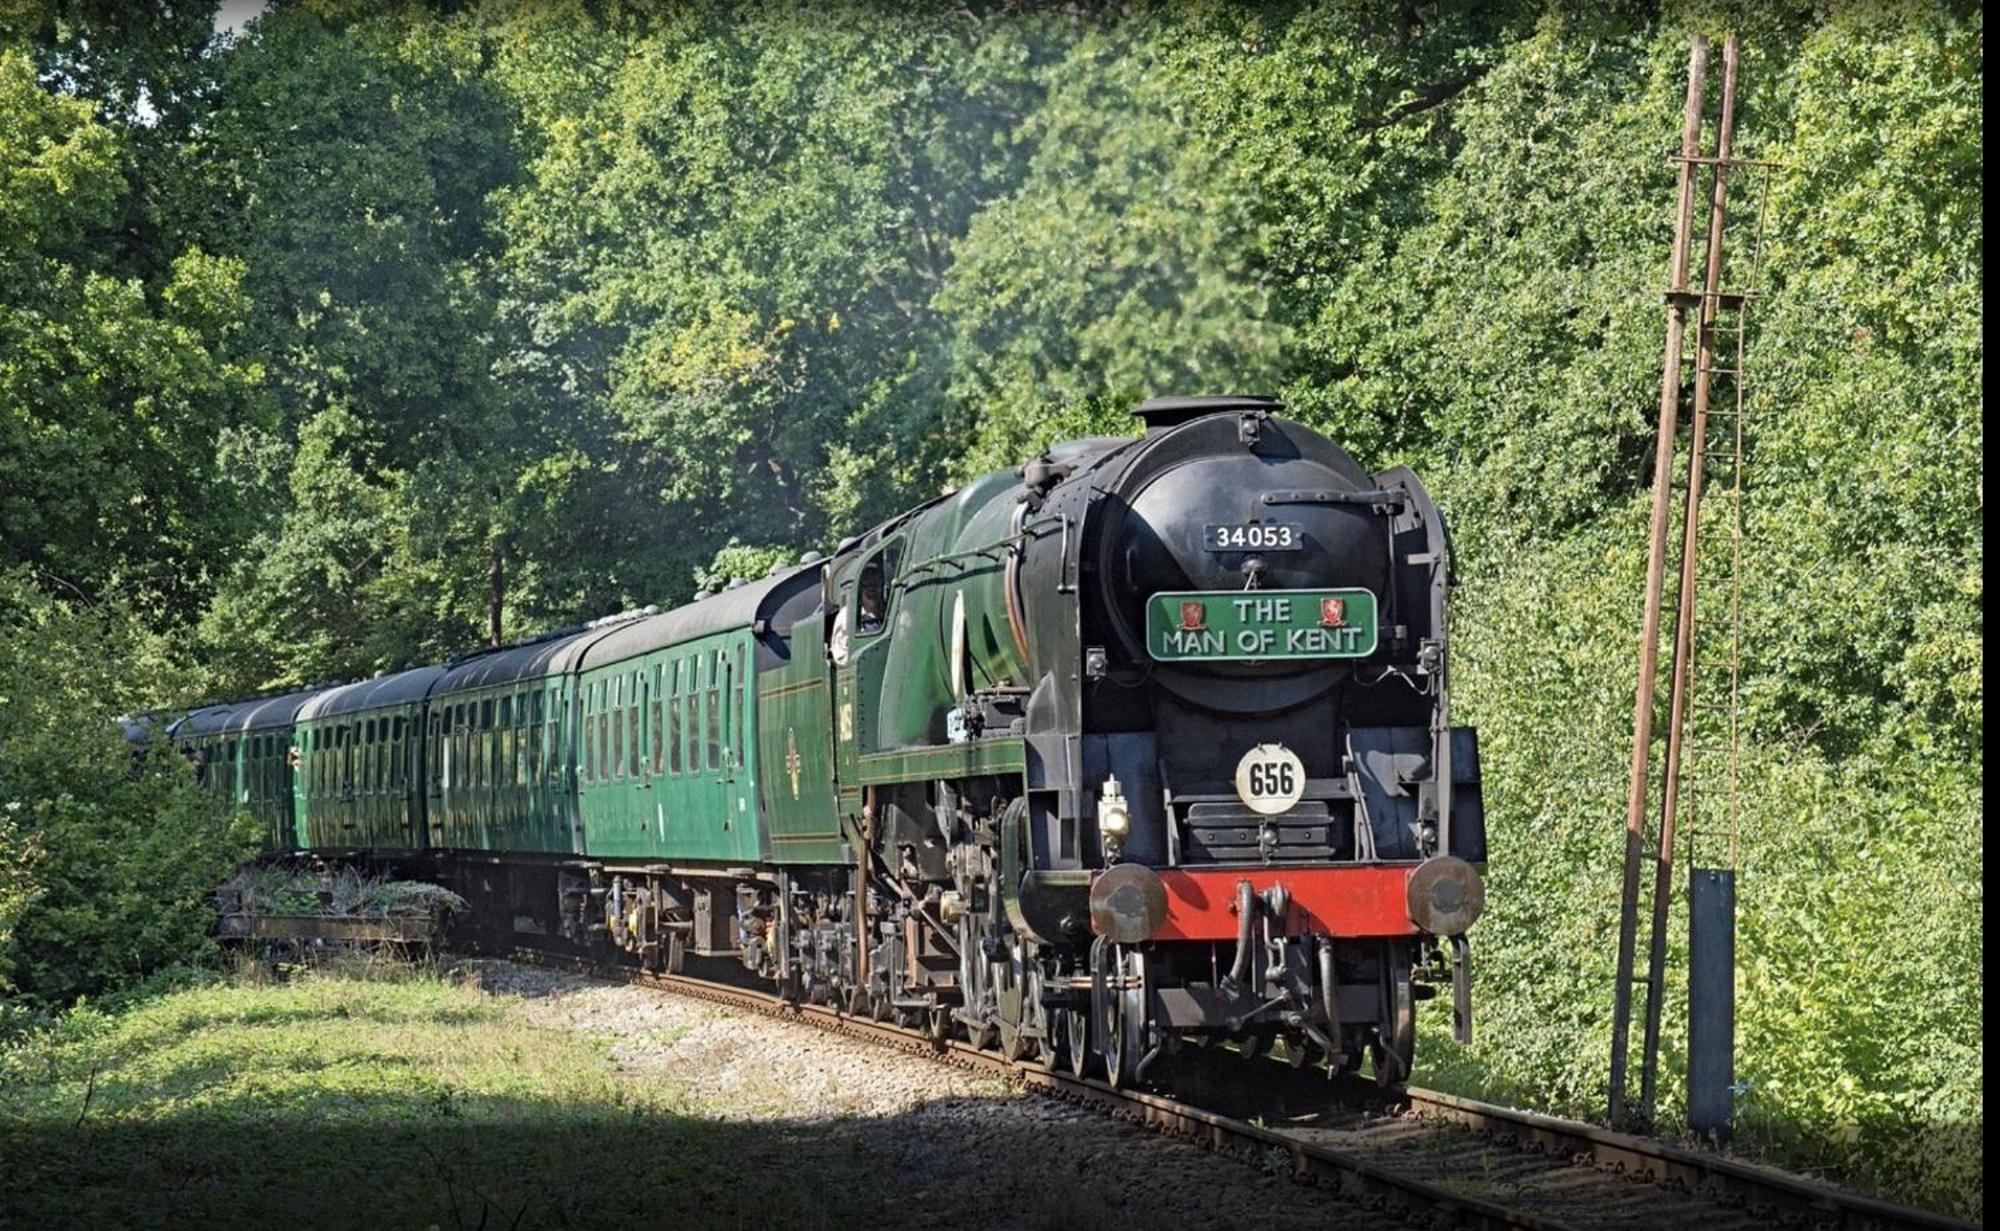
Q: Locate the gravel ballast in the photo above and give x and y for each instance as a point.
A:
(891, 1138)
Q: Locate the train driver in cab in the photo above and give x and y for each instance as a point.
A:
(867, 616)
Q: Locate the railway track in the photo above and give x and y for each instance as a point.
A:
(1435, 1159)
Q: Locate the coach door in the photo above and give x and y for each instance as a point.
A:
(795, 763)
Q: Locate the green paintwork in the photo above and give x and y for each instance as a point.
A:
(637, 798)
(496, 763)
(894, 694)
(249, 770)
(692, 752)
(974, 758)
(1197, 626)
(795, 750)
(354, 777)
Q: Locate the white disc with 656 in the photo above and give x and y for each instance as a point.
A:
(1270, 779)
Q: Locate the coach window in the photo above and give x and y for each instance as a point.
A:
(615, 692)
(653, 733)
(454, 758)
(715, 712)
(736, 702)
(510, 739)
(521, 744)
(691, 718)
(603, 770)
(674, 718)
(632, 710)
(502, 735)
(531, 742)
(543, 737)
(635, 683)
(552, 731)
(728, 709)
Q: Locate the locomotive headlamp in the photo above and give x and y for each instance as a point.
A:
(1114, 817)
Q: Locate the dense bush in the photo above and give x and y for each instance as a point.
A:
(107, 861)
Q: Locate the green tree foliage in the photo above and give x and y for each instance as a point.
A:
(1512, 334)
(107, 861)
(1200, 182)
(346, 159)
(113, 388)
(723, 259)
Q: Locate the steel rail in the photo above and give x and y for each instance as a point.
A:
(1760, 1191)
(1729, 1181)
(1374, 1187)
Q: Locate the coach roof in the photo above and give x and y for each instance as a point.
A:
(737, 608)
(402, 688)
(508, 665)
(233, 717)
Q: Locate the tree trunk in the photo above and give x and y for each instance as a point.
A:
(496, 594)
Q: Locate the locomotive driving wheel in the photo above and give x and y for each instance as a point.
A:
(1074, 1026)
(1394, 1049)
(1122, 981)
(1046, 1050)
(1014, 1008)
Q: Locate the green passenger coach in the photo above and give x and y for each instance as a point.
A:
(359, 749)
(241, 752)
(669, 764)
(498, 748)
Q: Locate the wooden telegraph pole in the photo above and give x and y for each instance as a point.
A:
(1719, 314)
(1656, 567)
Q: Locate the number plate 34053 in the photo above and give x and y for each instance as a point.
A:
(1253, 536)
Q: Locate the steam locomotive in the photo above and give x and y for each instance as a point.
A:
(1145, 741)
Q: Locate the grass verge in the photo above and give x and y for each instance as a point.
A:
(335, 1101)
